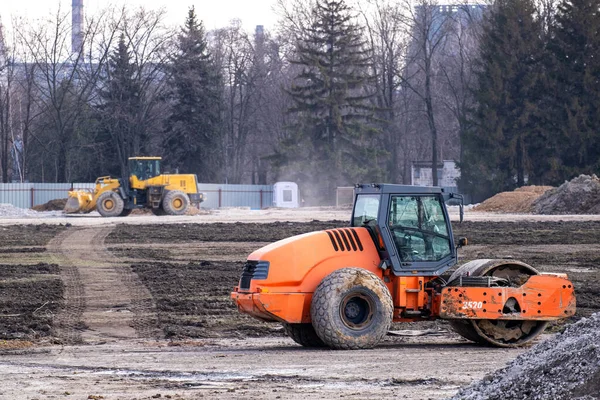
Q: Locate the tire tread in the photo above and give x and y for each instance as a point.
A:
(325, 297)
(303, 334)
(168, 200)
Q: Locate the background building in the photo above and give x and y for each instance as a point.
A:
(421, 175)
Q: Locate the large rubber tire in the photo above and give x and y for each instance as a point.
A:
(517, 273)
(176, 202)
(158, 211)
(303, 334)
(110, 204)
(351, 309)
(125, 212)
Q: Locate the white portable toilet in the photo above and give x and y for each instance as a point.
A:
(285, 194)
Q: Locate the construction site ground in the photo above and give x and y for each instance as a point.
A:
(138, 308)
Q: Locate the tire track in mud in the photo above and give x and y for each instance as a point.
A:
(104, 299)
(67, 323)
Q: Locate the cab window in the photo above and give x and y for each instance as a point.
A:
(366, 209)
(144, 169)
(419, 228)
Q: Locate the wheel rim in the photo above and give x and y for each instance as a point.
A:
(109, 204)
(356, 310)
(177, 204)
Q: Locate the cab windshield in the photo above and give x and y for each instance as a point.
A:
(419, 228)
(144, 169)
(366, 209)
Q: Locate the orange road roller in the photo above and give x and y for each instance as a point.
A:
(342, 288)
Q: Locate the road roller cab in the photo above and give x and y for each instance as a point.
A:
(343, 287)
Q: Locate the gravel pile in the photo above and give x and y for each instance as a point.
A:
(566, 366)
(517, 201)
(581, 195)
(10, 211)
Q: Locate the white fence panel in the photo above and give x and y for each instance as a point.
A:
(27, 195)
(253, 196)
(17, 194)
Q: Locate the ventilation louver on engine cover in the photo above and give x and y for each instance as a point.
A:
(345, 239)
(253, 270)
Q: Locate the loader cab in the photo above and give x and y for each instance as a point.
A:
(410, 226)
(144, 168)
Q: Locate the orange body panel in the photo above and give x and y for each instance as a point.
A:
(303, 261)
(301, 264)
(276, 306)
(543, 297)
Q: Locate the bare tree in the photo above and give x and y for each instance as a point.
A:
(295, 18)
(64, 81)
(427, 26)
(24, 112)
(388, 42)
(6, 79)
(232, 49)
(456, 65)
(149, 44)
(16, 106)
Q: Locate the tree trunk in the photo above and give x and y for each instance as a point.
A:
(520, 162)
(61, 163)
(432, 128)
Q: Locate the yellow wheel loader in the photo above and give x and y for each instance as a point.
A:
(146, 187)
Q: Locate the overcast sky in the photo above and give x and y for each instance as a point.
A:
(214, 13)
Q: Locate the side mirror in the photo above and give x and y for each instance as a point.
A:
(461, 204)
(462, 242)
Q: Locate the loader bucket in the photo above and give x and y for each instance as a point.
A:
(79, 201)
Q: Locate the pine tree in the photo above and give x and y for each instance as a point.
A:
(193, 129)
(330, 103)
(119, 106)
(574, 63)
(502, 147)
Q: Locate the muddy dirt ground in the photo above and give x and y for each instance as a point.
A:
(203, 279)
(140, 311)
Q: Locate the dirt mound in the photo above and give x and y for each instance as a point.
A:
(52, 205)
(566, 366)
(517, 201)
(581, 195)
(141, 211)
(193, 210)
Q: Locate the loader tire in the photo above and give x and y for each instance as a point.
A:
(303, 334)
(176, 202)
(110, 204)
(351, 309)
(125, 212)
